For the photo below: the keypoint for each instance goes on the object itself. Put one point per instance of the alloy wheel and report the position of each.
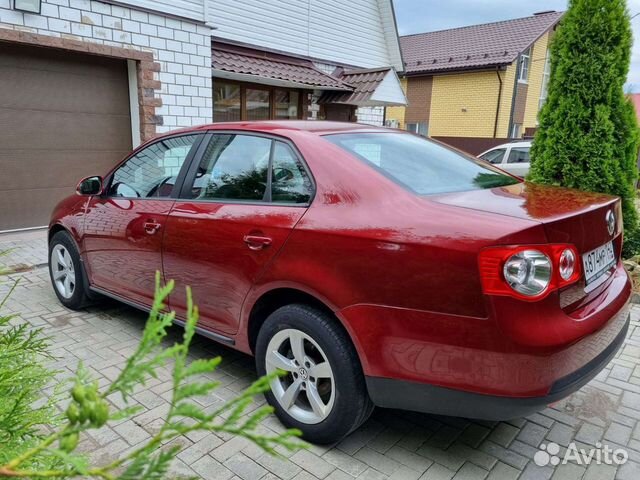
(63, 271)
(307, 391)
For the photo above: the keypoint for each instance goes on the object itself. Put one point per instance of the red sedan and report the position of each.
(375, 267)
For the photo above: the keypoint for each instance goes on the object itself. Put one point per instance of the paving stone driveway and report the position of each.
(392, 444)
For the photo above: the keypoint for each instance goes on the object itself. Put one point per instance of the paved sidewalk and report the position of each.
(392, 444)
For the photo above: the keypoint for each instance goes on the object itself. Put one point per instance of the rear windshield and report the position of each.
(421, 165)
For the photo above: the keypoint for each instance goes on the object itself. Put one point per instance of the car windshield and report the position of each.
(420, 165)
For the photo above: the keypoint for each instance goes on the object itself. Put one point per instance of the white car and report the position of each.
(511, 157)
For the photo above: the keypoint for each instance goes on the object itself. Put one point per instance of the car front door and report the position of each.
(123, 228)
(236, 210)
(495, 157)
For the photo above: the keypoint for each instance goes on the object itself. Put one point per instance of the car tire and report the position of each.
(66, 270)
(340, 399)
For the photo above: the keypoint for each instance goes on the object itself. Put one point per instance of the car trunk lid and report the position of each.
(567, 215)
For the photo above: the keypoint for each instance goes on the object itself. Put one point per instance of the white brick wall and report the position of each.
(181, 47)
(371, 115)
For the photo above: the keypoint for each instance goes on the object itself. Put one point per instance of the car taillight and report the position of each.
(528, 272)
(567, 264)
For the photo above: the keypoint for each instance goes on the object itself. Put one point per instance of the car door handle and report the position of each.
(151, 227)
(257, 242)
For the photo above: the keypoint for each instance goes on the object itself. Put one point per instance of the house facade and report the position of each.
(308, 59)
(84, 81)
(477, 82)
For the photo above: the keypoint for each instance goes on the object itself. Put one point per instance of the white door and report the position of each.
(517, 161)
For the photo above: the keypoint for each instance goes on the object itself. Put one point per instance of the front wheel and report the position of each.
(66, 272)
(323, 393)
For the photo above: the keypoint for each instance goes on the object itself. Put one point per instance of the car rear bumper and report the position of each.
(518, 351)
(421, 397)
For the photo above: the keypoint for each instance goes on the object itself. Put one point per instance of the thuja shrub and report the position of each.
(24, 413)
(54, 455)
(588, 135)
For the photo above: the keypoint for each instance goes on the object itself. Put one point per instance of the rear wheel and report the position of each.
(67, 272)
(323, 392)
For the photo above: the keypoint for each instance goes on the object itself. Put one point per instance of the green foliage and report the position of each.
(588, 136)
(90, 409)
(23, 375)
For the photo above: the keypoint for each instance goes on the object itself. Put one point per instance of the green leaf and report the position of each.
(201, 366)
(195, 389)
(190, 410)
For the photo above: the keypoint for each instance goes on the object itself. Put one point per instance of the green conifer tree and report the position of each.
(588, 136)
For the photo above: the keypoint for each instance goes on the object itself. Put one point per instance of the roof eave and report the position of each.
(275, 82)
(483, 68)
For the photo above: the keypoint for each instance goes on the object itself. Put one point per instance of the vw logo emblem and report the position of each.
(610, 218)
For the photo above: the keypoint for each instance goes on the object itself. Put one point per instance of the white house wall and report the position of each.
(191, 9)
(391, 33)
(354, 32)
(371, 116)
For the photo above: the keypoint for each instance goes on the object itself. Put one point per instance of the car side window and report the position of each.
(494, 156)
(519, 155)
(290, 182)
(233, 167)
(152, 172)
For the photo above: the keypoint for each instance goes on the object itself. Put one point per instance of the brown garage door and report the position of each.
(63, 116)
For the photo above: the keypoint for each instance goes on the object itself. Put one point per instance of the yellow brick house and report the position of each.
(479, 82)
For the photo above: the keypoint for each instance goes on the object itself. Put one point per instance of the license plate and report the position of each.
(597, 262)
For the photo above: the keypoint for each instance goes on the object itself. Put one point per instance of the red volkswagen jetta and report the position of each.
(374, 266)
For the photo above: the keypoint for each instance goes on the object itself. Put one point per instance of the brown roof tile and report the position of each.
(477, 46)
(277, 67)
(365, 83)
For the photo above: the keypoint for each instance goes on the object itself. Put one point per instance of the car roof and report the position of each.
(524, 143)
(319, 127)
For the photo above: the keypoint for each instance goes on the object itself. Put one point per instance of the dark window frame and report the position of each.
(189, 178)
(184, 168)
(258, 86)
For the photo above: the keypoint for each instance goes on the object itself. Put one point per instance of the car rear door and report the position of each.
(123, 228)
(236, 210)
(518, 161)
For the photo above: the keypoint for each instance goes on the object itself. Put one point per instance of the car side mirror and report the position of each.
(90, 186)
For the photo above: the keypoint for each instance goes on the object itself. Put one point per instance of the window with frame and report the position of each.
(519, 155)
(258, 103)
(236, 167)
(227, 105)
(516, 129)
(494, 156)
(234, 101)
(525, 63)
(290, 182)
(420, 165)
(287, 104)
(152, 172)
